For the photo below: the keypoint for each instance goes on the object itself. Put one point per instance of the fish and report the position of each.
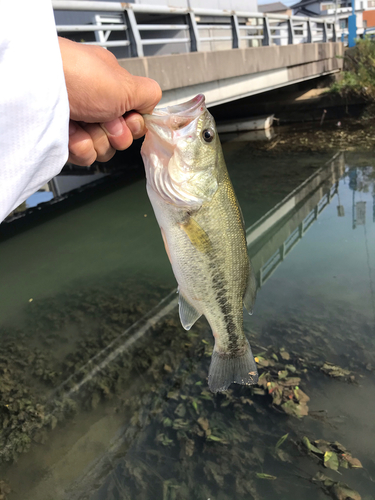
(203, 231)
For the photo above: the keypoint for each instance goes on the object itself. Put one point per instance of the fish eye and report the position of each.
(208, 135)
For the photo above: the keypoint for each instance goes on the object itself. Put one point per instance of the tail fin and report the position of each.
(225, 370)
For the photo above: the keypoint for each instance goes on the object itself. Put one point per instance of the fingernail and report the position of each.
(135, 126)
(114, 128)
(72, 128)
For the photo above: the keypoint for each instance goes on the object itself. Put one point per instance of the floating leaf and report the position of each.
(335, 371)
(261, 475)
(167, 422)
(262, 361)
(310, 446)
(300, 395)
(180, 410)
(283, 456)
(354, 463)
(327, 481)
(341, 491)
(344, 464)
(204, 423)
(291, 381)
(331, 460)
(291, 368)
(285, 355)
(323, 445)
(172, 395)
(214, 438)
(259, 391)
(283, 374)
(281, 440)
(297, 410)
(339, 446)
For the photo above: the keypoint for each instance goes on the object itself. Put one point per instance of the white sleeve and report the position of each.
(34, 108)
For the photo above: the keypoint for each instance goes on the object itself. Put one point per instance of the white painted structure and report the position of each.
(326, 9)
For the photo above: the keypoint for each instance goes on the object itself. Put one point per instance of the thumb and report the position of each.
(145, 96)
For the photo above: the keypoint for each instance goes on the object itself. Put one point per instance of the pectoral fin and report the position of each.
(251, 291)
(188, 314)
(197, 235)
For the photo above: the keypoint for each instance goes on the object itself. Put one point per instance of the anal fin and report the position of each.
(188, 314)
(226, 370)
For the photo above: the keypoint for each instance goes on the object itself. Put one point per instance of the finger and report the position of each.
(102, 146)
(118, 133)
(136, 124)
(81, 146)
(145, 95)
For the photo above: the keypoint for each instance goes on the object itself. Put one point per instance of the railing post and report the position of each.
(325, 35)
(194, 33)
(290, 31)
(235, 32)
(266, 31)
(334, 34)
(136, 47)
(309, 31)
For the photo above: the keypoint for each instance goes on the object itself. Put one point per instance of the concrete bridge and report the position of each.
(224, 54)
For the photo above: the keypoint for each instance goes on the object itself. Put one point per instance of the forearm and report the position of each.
(33, 102)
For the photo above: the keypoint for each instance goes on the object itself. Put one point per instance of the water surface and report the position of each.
(104, 395)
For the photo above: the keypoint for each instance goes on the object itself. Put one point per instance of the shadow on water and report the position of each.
(107, 394)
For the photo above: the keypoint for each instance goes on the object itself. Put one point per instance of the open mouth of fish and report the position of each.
(174, 122)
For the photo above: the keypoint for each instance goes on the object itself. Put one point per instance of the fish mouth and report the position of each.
(185, 109)
(176, 117)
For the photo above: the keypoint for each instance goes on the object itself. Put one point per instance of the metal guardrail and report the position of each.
(193, 30)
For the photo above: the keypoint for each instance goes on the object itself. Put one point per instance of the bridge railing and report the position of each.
(136, 30)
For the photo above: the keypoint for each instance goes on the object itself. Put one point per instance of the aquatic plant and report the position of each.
(358, 77)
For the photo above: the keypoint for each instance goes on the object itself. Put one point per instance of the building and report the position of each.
(326, 9)
(276, 8)
(369, 15)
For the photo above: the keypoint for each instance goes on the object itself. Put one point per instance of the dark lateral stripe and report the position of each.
(221, 288)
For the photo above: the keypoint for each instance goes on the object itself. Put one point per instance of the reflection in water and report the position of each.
(113, 354)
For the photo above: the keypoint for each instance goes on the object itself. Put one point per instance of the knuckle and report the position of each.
(157, 91)
(102, 146)
(84, 152)
(104, 157)
(123, 144)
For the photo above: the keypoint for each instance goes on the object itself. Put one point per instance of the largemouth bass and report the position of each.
(203, 232)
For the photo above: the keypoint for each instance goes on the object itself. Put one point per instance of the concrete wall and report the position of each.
(180, 70)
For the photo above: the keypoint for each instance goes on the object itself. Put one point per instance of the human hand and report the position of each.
(105, 100)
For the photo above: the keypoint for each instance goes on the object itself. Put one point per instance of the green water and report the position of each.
(103, 394)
